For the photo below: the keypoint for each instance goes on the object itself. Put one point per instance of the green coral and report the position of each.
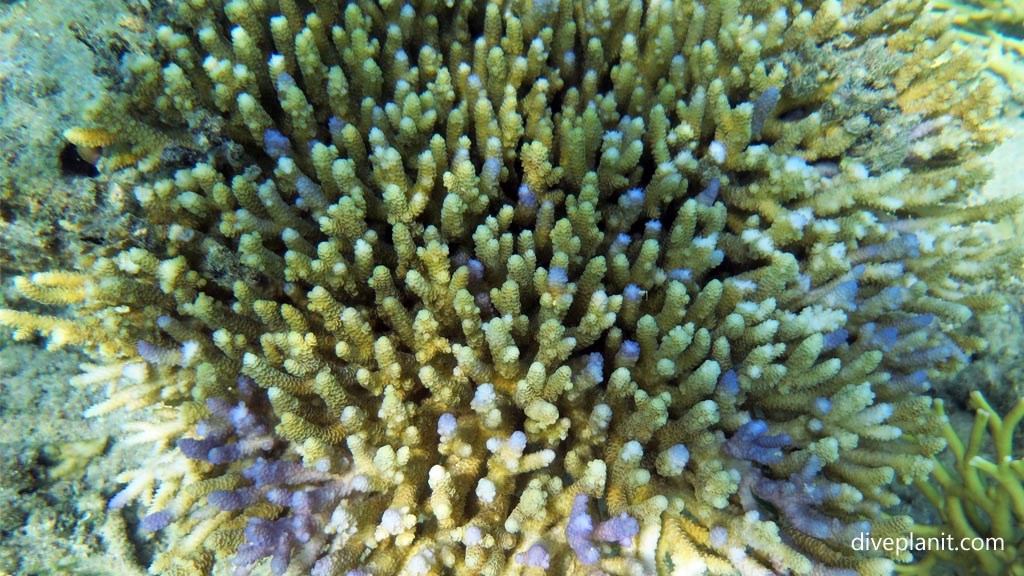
(980, 499)
(582, 235)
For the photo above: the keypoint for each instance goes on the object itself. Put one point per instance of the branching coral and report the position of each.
(980, 500)
(999, 26)
(982, 16)
(580, 287)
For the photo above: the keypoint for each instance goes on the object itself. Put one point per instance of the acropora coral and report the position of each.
(984, 16)
(602, 287)
(998, 27)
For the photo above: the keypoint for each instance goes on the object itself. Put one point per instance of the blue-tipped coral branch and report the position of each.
(514, 287)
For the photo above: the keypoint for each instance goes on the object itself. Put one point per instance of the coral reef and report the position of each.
(53, 518)
(586, 287)
(979, 498)
(984, 16)
(48, 55)
(999, 27)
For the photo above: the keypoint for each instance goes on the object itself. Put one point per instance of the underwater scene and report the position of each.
(511, 287)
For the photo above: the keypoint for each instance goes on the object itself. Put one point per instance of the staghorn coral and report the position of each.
(983, 16)
(998, 26)
(579, 287)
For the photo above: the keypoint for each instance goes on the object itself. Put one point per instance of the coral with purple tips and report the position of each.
(593, 287)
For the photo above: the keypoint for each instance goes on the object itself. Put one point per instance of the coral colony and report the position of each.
(535, 287)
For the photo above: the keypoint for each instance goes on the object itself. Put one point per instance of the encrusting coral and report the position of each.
(584, 287)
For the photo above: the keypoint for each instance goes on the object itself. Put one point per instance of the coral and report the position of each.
(998, 26)
(75, 456)
(48, 217)
(590, 287)
(980, 499)
(982, 16)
